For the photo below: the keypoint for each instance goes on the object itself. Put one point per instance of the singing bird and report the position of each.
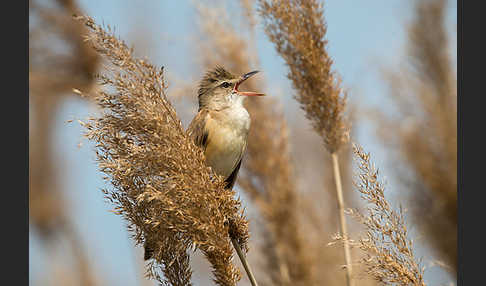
(221, 125)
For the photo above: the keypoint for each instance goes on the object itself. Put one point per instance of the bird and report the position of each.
(222, 123)
(221, 126)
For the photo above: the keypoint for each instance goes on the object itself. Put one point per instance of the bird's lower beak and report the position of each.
(242, 79)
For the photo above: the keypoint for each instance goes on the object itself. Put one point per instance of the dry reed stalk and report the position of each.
(342, 220)
(244, 261)
(47, 88)
(52, 74)
(86, 276)
(298, 30)
(82, 273)
(318, 208)
(425, 92)
(160, 182)
(51, 77)
(46, 212)
(389, 251)
(266, 174)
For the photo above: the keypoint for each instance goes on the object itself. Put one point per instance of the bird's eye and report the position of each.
(225, 84)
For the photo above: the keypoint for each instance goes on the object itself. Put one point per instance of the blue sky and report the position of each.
(360, 34)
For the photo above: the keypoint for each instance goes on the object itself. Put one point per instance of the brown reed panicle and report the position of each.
(298, 30)
(389, 252)
(160, 183)
(425, 92)
(266, 173)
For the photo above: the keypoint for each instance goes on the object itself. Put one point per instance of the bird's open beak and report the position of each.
(242, 79)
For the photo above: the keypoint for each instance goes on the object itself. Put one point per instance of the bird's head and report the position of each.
(220, 89)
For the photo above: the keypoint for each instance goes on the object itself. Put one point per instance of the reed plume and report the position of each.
(424, 90)
(159, 180)
(298, 30)
(389, 252)
(266, 174)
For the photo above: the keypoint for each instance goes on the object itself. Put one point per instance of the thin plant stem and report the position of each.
(243, 260)
(342, 219)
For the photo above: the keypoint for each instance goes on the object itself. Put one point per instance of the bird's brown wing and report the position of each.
(230, 181)
(197, 130)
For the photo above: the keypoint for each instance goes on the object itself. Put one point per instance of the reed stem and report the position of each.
(243, 260)
(342, 219)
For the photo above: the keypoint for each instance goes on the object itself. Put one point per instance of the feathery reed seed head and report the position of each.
(298, 30)
(389, 255)
(160, 182)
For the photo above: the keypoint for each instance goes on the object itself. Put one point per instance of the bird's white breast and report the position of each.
(227, 140)
(239, 119)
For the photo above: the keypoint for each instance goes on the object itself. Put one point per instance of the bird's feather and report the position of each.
(230, 181)
(197, 129)
(222, 155)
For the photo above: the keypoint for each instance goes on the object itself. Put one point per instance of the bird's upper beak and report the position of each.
(241, 80)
